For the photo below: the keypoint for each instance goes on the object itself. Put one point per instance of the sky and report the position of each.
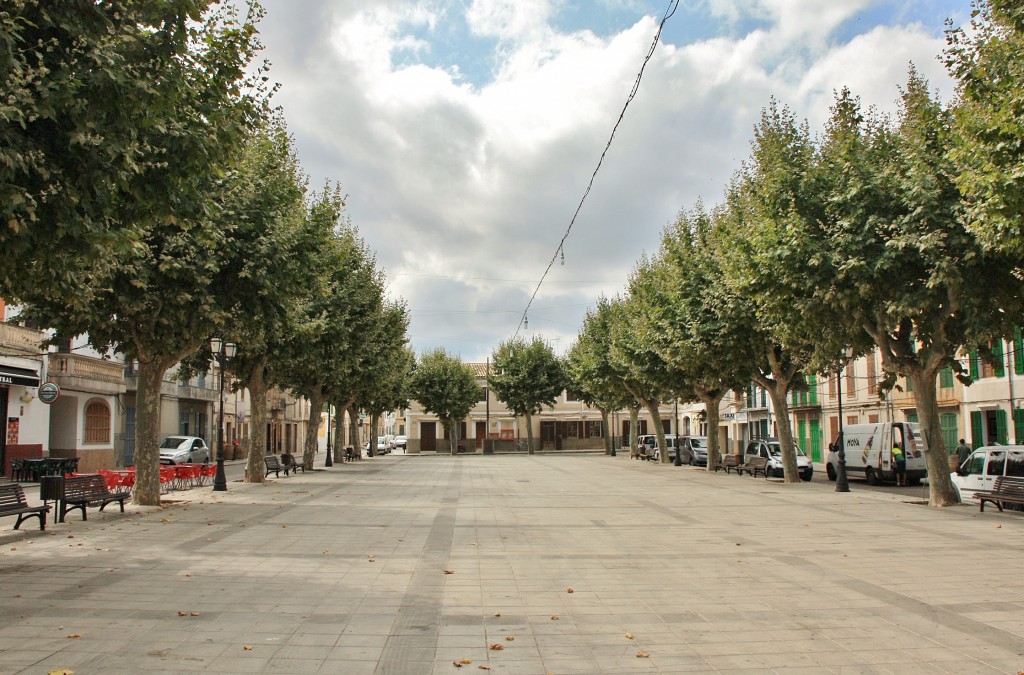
(465, 132)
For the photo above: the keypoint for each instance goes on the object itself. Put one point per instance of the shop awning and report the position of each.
(23, 376)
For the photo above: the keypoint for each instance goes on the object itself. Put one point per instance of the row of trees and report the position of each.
(152, 198)
(901, 234)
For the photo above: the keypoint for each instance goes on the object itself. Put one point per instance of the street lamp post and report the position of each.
(842, 481)
(328, 461)
(222, 352)
(679, 460)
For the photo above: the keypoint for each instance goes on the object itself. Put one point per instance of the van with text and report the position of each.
(869, 452)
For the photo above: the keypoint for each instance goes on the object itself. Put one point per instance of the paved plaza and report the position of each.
(517, 564)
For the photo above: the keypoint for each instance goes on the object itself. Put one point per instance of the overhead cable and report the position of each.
(673, 5)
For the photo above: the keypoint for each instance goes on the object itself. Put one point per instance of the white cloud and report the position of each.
(479, 181)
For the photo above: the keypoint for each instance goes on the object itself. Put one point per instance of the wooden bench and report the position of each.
(351, 454)
(12, 503)
(1006, 490)
(289, 464)
(754, 466)
(81, 492)
(728, 462)
(273, 465)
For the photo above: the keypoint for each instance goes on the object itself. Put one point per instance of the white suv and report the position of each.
(771, 449)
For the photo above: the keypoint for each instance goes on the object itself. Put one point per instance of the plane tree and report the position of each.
(642, 371)
(111, 117)
(765, 256)
(444, 386)
(383, 380)
(526, 376)
(592, 378)
(988, 121)
(159, 303)
(699, 324)
(875, 242)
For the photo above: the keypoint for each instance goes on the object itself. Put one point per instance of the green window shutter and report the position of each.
(812, 389)
(1018, 352)
(802, 435)
(816, 440)
(946, 378)
(796, 399)
(974, 364)
(764, 398)
(977, 431)
(912, 417)
(947, 423)
(997, 358)
(1001, 426)
(1018, 425)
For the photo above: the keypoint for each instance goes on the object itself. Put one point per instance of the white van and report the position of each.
(869, 452)
(979, 471)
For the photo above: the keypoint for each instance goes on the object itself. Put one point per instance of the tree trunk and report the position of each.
(339, 427)
(940, 487)
(316, 405)
(147, 432)
(659, 428)
(257, 386)
(374, 420)
(607, 436)
(712, 404)
(353, 425)
(529, 433)
(634, 431)
(778, 395)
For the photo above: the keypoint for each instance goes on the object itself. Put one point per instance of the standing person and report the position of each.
(963, 451)
(899, 462)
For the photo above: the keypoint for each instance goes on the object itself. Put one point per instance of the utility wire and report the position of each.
(673, 5)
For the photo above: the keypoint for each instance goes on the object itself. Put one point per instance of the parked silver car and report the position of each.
(693, 450)
(184, 450)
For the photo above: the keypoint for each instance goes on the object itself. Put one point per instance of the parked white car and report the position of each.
(184, 450)
(979, 471)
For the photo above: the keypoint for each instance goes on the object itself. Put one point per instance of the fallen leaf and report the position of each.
(554, 617)
(17, 595)
(497, 614)
(484, 666)
(247, 648)
(569, 590)
(188, 574)
(62, 671)
(999, 527)
(182, 614)
(497, 647)
(449, 571)
(462, 662)
(75, 635)
(195, 613)
(284, 526)
(510, 638)
(629, 636)
(642, 655)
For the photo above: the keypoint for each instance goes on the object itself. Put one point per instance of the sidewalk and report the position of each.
(405, 564)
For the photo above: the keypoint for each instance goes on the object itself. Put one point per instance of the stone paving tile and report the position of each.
(342, 571)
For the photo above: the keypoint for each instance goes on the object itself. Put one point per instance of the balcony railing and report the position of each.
(86, 373)
(14, 338)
